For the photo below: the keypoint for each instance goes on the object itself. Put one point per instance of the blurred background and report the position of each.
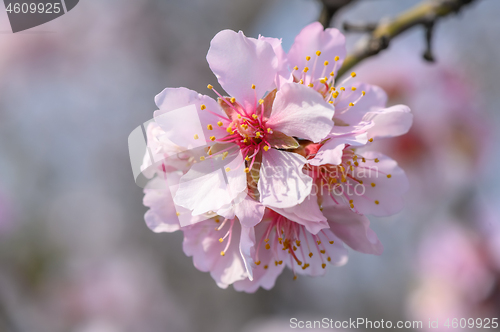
(75, 253)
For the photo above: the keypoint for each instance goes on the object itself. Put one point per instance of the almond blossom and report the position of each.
(269, 176)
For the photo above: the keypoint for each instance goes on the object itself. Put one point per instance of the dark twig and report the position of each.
(330, 7)
(425, 14)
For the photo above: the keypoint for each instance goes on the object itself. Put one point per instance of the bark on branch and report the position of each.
(424, 14)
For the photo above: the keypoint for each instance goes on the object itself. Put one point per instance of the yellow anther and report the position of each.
(261, 101)
(310, 85)
(239, 116)
(244, 126)
(210, 86)
(266, 240)
(247, 158)
(217, 220)
(276, 263)
(318, 53)
(253, 86)
(268, 246)
(353, 74)
(202, 158)
(377, 202)
(257, 263)
(196, 136)
(221, 240)
(245, 140)
(306, 69)
(178, 214)
(351, 201)
(370, 140)
(229, 130)
(352, 206)
(332, 74)
(332, 180)
(220, 123)
(212, 138)
(337, 58)
(336, 94)
(266, 147)
(363, 160)
(351, 104)
(247, 170)
(389, 176)
(322, 81)
(301, 81)
(269, 130)
(319, 242)
(331, 242)
(326, 63)
(280, 262)
(353, 88)
(360, 182)
(363, 93)
(222, 253)
(265, 267)
(255, 116)
(209, 127)
(299, 262)
(356, 163)
(257, 134)
(322, 251)
(331, 102)
(224, 155)
(343, 179)
(308, 58)
(294, 277)
(332, 89)
(227, 169)
(202, 107)
(373, 184)
(376, 160)
(295, 68)
(342, 88)
(310, 254)
(329, 259)
(233, 100)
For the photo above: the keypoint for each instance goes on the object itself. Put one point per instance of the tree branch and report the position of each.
(425, 14)
(330, 7)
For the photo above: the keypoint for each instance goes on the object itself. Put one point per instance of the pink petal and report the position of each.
(297, 109)
(306, 213)
(181, 117)
(390, 122)
(280, 54)
(247, 249)
(262, 277)
(204, 187)
(249, 212)
(238, 62)
(375, 99)
(201, 241)
(161, 217)
(282, 183)
(331, 152)
(382, 195)
(353, 229)
(313, 38)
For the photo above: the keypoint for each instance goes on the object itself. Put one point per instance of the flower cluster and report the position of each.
(272, 175)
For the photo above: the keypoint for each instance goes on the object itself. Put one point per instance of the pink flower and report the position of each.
(244, 128)
(241, 170)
